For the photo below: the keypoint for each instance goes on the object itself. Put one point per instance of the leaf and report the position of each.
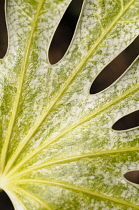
(58, 148)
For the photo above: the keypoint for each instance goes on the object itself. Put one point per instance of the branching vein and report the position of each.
(29, 17)
(79, 189)
(73, 158)
(34, 197)
(19, 89)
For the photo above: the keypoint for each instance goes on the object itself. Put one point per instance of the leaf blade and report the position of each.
(74, 137)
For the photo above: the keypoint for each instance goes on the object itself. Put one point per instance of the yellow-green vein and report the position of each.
(78, 189)
(130, 21)
(62, 90)
(34, 197)
(19, 89)
(70, 159)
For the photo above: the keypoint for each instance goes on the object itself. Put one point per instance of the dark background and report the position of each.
(59, 45)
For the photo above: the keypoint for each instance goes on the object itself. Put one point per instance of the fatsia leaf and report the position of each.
(58, 149)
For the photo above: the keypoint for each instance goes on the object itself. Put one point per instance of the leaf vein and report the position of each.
(19, 89)
(29, 17)
(34, 197)
(79, 189)
(69, 80)
(73, 158)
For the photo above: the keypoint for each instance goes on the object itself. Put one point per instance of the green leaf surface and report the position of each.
(58, 149)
